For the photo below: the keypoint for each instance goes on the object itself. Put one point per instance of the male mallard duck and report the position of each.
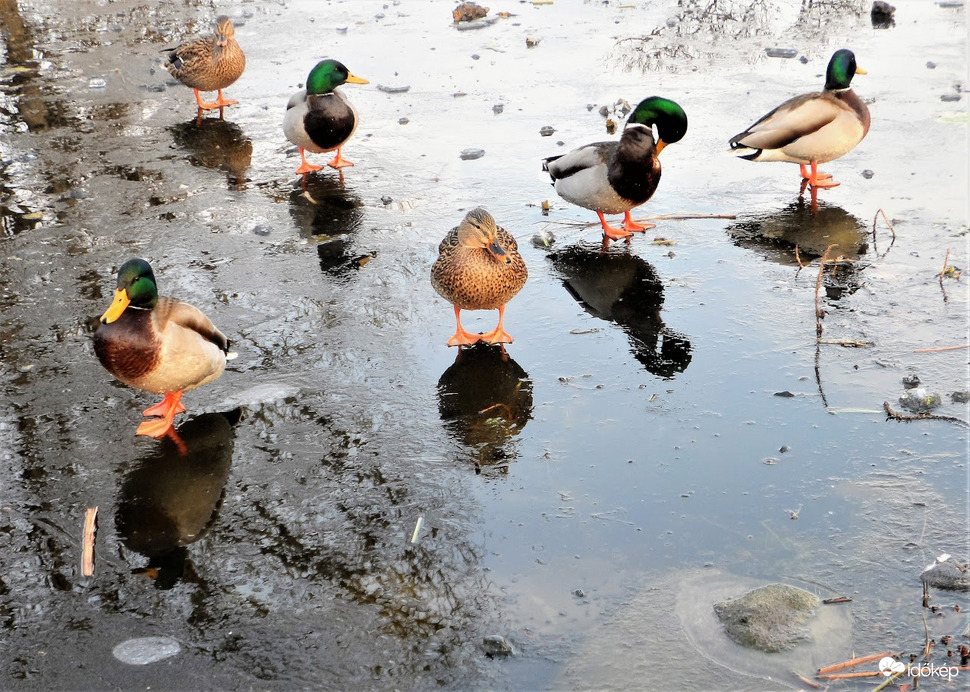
(319, 118)
(157, 344)
(478, 268)
(209, 64)
(615, 177)
(812, 128)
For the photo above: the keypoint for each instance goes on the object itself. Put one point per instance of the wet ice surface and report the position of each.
(638, 441)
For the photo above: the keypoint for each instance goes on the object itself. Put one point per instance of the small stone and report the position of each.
(386, 199)
(785, 394)
(911, 381)
(531, 42)
(498, 108)
(476, 56)
(262, 229)
(579, 593)
(97, 83)
(950, 98)
(547, 130)
(930, 65)
(781, 52)
(604, 111)
(867, 174)
(784, 449)
(671, 22)
(393, 89)
(496, 645)
(960, 397)
(471, 154)
(145, 650)
(403, 121)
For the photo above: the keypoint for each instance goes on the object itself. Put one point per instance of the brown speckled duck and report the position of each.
(209, 64)
(157, 344)
(478, 268)
(812, 128)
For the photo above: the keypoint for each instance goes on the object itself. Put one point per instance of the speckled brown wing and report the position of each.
(472, 279)
(203, 65)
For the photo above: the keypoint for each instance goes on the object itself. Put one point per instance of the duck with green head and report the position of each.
(210, 63)
(157, 344)
(812, 128)
(319, 118)
(478, 268)
(615, 177)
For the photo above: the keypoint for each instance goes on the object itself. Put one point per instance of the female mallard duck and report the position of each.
(478, 268)
(319, 118)
(209, 64)
(812, 128)
(615, 177)
(157, 344)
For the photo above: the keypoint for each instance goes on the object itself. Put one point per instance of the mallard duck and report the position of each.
(209, 64)
(478, 268)
(319, 118)
(157, 344)
(615, 177)
(812, 128)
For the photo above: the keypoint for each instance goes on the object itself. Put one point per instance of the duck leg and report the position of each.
(306, 166)
(630, 225)
(610, 232)
(498, 335)
(220, 102)
(461, 337)
(339, 161)
(162, 407)
(816, 178)
(158, 427)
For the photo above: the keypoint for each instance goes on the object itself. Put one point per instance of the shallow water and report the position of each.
(619, 442)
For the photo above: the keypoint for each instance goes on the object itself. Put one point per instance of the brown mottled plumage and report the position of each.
(157, 344)
(210, 63)
(478, 268)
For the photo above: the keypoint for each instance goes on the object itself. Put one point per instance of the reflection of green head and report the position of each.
(328, 74)
(137, 279)
(841, 69)
(670, 118)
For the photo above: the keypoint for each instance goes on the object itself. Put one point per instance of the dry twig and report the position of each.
(818, 288)
(888, 223)
(852, 662)
(890, 414)
(87, 545)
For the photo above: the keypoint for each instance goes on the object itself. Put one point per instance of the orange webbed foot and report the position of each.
(497, 336)
(463, 338)
(611, 232)
(157, 427)
(630, 225)
(339, 162)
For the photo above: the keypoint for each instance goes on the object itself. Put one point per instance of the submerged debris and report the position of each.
(919, 400)
(468, 11)
(497, 645)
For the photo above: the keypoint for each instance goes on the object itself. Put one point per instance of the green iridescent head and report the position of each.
(841, 69)
(670, 119)
(327, 75)
(136, 287)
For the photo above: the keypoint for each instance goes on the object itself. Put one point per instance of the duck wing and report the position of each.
(578, 160)
(796, 118)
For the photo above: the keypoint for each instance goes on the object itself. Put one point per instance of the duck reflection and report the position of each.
(485, 400)
(329, 212)
(777, 234)
(619, 287)
(172, 497)
(216, 144)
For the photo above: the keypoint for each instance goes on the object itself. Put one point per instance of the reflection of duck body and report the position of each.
(623, 288)
(478, 268)
(211, 63)
(157, 344)
(216, 144)
(812, 128)
(485, 397)
(615, 177)
(319, 118)
(171, 498)
(331, 221)
(800, 226)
